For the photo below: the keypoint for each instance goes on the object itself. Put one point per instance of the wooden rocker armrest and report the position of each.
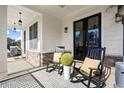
(91, 68)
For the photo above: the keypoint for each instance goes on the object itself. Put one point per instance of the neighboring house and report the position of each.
(75, 29)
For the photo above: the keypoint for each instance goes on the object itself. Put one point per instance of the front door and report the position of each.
(87, 33)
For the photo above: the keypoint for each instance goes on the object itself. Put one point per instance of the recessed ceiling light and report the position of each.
(62, 6)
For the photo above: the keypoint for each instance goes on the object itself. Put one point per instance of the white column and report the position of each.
(40, 35)
(3, 41)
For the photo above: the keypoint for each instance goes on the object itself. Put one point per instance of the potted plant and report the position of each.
(67, 61)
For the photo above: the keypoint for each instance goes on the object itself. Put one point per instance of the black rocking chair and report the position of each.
(54, 63)
(96, 73)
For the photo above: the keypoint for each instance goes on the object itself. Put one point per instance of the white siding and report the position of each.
(51, 33)
(112, 33)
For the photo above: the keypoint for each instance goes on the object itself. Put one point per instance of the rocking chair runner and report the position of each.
(93, 68)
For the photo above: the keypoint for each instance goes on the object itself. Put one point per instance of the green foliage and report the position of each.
(67, 59)
(18, 43)
(11, 42)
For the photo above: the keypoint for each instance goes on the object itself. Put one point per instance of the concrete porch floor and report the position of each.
(111, 80)
(46, 79)
(17, 64)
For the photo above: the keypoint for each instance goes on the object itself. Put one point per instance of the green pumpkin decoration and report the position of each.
(67, 59)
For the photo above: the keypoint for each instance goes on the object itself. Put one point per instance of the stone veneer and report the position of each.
(46, 57)
(33, 58)
(109, 60)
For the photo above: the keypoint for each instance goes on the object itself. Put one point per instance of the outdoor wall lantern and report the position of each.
(120, 13)
(66, 30)
(118, 18)
(62, 6)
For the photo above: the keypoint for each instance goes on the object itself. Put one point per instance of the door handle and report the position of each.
(86, 43)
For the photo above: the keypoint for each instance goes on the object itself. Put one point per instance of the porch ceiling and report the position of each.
(13, 16)
(60, 12)
(55, 10)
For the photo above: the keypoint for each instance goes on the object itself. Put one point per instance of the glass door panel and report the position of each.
(78, 40)
(93, 36)
(87, 33)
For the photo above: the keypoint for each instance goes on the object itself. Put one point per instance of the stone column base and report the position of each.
(3, 75)
(33, 58)
(111, 60)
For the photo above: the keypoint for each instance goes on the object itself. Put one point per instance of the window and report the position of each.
(33, 36)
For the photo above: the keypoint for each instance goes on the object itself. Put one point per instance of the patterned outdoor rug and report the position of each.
(25, 81)
(40, 79)
(54, 80)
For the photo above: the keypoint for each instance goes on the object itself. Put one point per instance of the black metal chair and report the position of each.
(96, 75)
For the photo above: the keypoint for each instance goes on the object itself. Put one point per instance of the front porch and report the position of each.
(60, 28)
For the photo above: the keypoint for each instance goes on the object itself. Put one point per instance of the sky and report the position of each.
(16, 35)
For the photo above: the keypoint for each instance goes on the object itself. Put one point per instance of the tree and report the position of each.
(10, 42)
(18, 43)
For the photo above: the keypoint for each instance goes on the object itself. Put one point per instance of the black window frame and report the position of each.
(33, 34)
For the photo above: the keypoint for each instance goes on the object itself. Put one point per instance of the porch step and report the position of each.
(15, 75)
